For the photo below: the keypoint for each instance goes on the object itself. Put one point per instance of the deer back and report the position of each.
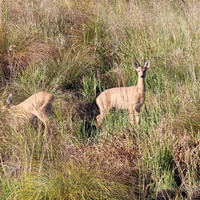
(119, 97)
(39, 102)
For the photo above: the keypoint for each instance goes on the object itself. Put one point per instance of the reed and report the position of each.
(77, 49)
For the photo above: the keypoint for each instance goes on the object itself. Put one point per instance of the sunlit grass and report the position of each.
(75, 50)
(71, 181)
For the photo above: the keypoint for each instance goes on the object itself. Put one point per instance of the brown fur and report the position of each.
(39, 105)
(130, 98)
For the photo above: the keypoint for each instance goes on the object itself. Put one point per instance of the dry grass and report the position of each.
(75, 50)
(17, 60)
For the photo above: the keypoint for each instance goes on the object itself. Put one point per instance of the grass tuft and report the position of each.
(77, 49)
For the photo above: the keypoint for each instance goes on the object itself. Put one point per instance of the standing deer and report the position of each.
(39, 105)
(129, 98)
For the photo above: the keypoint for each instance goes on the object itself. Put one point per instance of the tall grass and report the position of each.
(75, 50)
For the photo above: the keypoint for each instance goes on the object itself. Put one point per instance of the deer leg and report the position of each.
(103, 111)
(43, 118)
(136, 114)
(100, 117)
(42, 115)
(131, 114)
(99, 121)
(45, 114)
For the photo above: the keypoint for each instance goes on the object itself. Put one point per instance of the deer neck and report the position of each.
(141, 86)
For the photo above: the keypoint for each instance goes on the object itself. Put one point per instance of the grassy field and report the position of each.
(75, 50)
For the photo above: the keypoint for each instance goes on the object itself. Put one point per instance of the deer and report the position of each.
(38, 105)
(126, 98)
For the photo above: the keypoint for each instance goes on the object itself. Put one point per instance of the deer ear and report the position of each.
(9, 100)
(147, 64)
(136, 64)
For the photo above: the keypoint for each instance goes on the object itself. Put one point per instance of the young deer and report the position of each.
(39, 105)
(129, 98)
